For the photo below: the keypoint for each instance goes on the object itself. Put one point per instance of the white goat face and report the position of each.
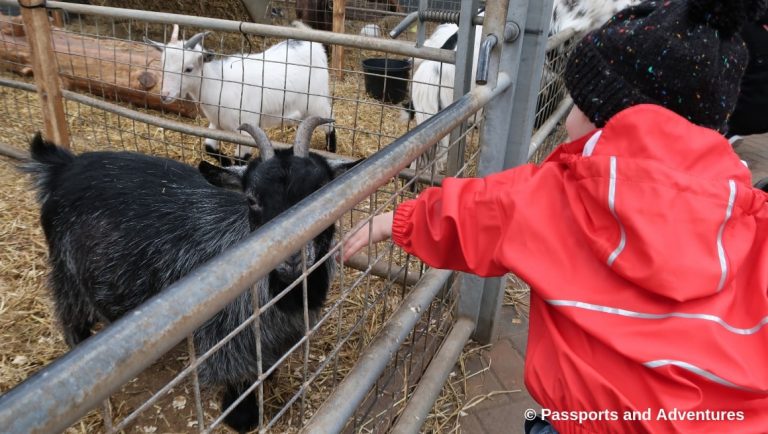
(182, 64)
(182, 70)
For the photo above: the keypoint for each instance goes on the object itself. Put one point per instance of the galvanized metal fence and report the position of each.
(392, 328)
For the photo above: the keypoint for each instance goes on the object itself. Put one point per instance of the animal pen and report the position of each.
(392, 329)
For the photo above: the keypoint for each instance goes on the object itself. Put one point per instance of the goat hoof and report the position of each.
(244, 417)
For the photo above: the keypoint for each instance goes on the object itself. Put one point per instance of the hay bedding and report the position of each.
(31, 340)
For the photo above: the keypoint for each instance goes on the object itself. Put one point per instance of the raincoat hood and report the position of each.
(666, 216)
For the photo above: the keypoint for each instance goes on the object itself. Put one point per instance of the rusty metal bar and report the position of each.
(62, 392)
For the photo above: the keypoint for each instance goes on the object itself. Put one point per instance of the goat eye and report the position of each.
(188, 69)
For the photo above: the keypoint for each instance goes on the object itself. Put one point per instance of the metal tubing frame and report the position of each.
(332, 416)
(412, 17)
(549, 125)
(534, 46)
(65, 390)
(192, 130)
(328, 38)
(507, 130)
(474, 287)
(431, 383)
(462, 80)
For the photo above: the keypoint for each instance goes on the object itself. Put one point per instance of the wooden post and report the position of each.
(337, 60)
(47, 79)
(58, 18)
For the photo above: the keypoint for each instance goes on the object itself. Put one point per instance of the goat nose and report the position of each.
(295, 261)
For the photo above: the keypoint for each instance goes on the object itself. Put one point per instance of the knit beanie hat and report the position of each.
(685, 55)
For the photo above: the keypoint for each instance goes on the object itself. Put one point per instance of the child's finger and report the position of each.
(355, 242)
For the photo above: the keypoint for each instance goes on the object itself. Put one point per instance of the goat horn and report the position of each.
(304, 134)
(175, 33)
(194, 40)
(157, 45)
(262, 141)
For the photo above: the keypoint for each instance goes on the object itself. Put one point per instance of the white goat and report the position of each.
(287, 82)
(432, 86)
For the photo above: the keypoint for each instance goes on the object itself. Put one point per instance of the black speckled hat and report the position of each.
(685, 55)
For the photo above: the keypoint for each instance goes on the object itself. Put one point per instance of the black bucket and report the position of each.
(387, 79)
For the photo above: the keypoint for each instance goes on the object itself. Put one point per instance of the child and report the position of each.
(645, 246)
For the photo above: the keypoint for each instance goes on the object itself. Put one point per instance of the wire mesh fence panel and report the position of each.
(116, 102)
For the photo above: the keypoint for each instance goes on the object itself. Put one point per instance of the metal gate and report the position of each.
(392, 330)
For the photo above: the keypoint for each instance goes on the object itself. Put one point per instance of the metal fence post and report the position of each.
(474, 289)
(520, 113)
(39, 37)
(462, 79)
(421, 32)
(507, 129)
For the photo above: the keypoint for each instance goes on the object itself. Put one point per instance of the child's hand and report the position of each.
(381, 230)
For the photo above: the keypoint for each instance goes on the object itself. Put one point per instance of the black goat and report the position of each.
(123, 226)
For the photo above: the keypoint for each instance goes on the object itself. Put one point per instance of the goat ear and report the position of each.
(340, 167)
(207, 56)
(230, 177)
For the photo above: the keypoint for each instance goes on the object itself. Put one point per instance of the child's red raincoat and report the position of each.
(646, 249)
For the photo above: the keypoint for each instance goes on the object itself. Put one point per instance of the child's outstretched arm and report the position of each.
(462, 225)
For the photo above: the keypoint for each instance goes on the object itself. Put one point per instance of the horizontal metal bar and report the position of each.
(153, 119)
(549, 125)
(431, 383)
(284, 32)
(12, 152)
(332, 416)
(65, 390)
(404, 24)
(380, 12)
(383, 269)
(414, 16)
(560, 38)
(193, 130)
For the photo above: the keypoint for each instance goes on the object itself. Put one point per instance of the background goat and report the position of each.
(122, 226)
(237, 89)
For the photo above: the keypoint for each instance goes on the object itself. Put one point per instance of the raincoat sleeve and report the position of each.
(464, 225)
